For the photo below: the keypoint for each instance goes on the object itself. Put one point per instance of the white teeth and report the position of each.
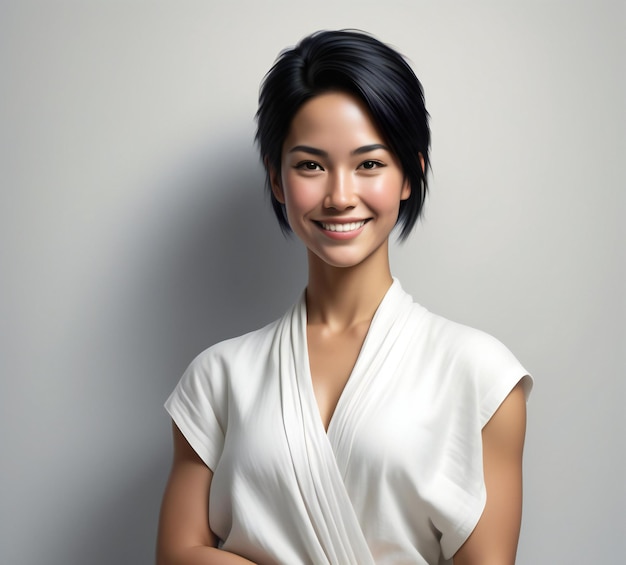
(343, 227)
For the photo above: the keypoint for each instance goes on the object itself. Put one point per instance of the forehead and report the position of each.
(333, 118)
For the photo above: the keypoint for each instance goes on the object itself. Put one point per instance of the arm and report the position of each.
(184, 536)
(494, 540)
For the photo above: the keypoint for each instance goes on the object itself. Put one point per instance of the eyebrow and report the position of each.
(368, 148)
(322, 153)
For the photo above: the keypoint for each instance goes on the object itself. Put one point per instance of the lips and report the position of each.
(342, 227)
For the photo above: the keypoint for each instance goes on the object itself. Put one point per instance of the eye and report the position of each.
(371, 165)
(309, 166)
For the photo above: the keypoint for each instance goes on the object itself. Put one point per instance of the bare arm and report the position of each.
(184, 535)
(494, 540)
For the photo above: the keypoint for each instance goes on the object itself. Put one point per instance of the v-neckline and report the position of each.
(309, 379)
(352, 379)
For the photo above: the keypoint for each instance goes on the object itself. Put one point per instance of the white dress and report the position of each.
(398, 477)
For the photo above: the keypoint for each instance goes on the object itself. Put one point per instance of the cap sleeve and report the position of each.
(197, 407)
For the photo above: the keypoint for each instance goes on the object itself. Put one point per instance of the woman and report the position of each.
(359, 428)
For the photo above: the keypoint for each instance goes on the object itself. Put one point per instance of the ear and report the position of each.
(406, 186)
(406, 189)
(275, 182)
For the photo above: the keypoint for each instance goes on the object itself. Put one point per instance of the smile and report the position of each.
(347, 227)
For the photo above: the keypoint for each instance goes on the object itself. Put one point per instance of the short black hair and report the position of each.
(357, 63)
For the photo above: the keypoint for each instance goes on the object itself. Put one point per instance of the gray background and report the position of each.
(134, 232)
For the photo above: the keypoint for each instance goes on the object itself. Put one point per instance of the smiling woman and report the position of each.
(359, 428)
(340, 184)
(377, 76)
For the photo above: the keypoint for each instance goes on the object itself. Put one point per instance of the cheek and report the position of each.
(384, 194)
(301, 194)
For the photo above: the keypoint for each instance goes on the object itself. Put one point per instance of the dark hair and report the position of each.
(354, 62)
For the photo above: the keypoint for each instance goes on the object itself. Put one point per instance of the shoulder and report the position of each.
(212, 371)
(459, 341)
(475, 362)
(231, 349)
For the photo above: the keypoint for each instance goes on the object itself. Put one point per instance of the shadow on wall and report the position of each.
(205, 262)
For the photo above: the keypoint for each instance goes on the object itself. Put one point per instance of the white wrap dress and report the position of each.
(398, 476)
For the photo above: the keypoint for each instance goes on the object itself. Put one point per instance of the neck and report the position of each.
(341, 297)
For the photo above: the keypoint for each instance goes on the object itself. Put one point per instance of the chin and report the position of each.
(343, 259)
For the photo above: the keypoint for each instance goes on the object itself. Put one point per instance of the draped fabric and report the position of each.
(396, 479)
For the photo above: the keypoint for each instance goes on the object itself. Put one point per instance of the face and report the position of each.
(340, 183)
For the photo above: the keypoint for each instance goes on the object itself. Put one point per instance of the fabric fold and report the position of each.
(318, 477)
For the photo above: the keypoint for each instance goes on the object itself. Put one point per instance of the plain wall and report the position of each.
(134, 232)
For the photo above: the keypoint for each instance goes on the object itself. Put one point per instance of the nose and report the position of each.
(341, 191)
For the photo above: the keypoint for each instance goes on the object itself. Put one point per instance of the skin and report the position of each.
(336, 169)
